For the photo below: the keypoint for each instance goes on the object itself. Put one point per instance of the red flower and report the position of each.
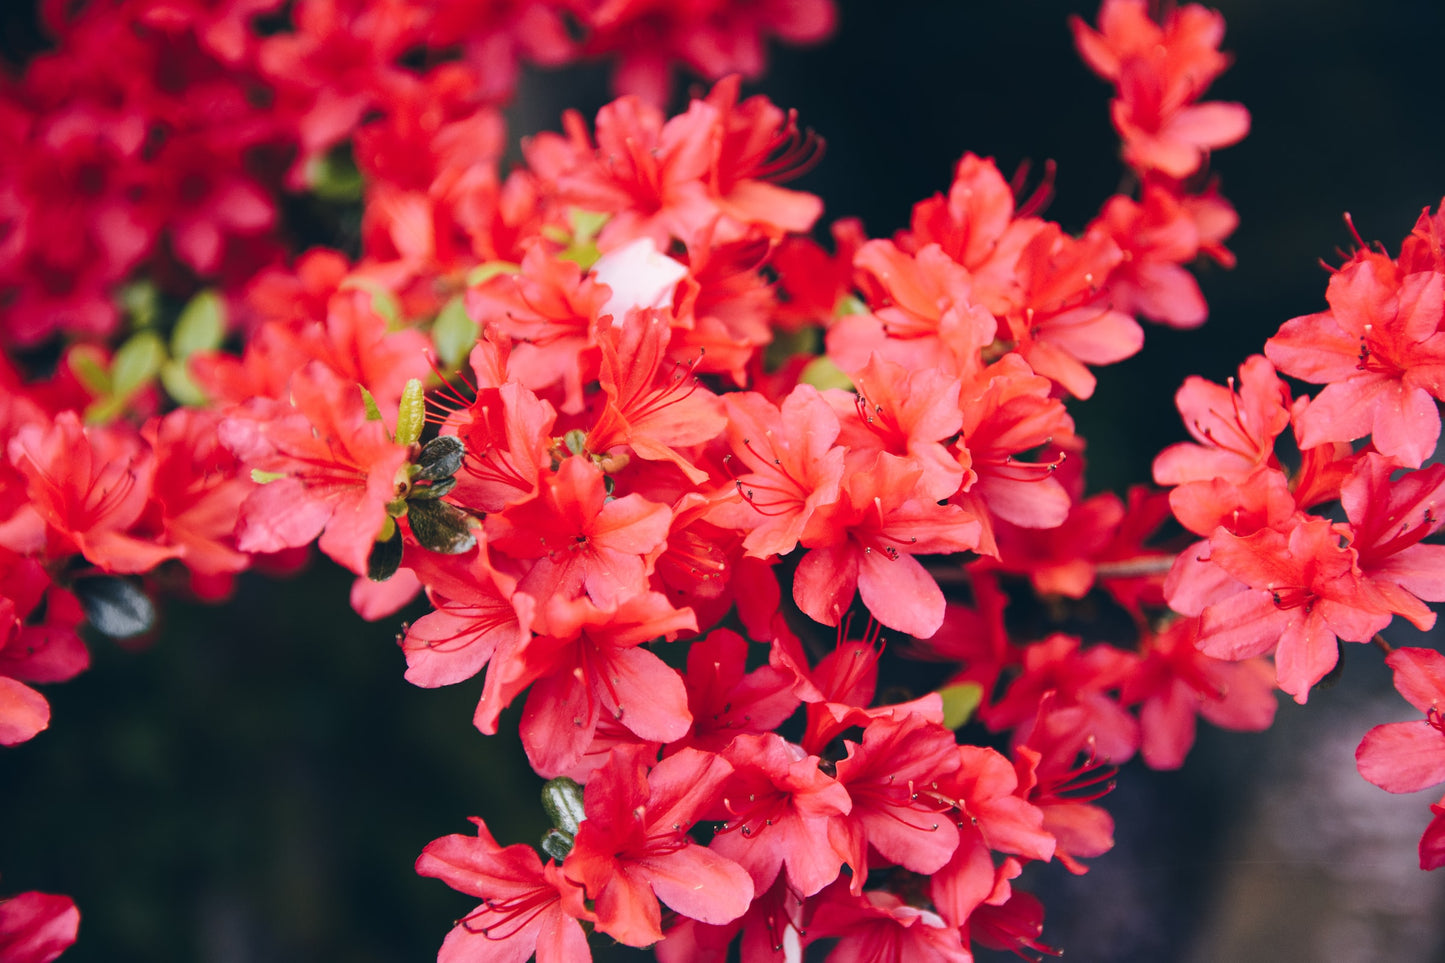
(1378, 352)
(527, 907)
(633, 848)
(36, 927)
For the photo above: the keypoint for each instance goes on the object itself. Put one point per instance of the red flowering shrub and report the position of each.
(635, 435)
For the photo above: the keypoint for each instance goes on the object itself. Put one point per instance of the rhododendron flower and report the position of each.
(633, 849)
(1410, 756)
(36, 927)
(1379, 355)
(527, 907)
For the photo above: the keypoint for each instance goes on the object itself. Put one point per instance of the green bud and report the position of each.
(115, 606)
(576, 441)
(556, 844)
(385, 556)
(562, 799)
(411, 413)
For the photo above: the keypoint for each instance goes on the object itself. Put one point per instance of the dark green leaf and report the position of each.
(440, 527)
(116, 606)
(385, 558)
(440, 458)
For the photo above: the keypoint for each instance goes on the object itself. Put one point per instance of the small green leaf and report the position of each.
(959, 702)
(383, 302)
(822, 373)
(176, 378)
(141, 302)
(373, 413)
(136, 363)
(562, 799)
(441, 527)
(265, 477)
(454, 333)
(201, 326)
(334, 177)
(89, 365)
(411, 413)
(116, 606)
(586, 225)
(440, 458)
(483, 273)
(848, 304)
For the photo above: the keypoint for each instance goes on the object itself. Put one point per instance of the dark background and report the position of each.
(255, 784)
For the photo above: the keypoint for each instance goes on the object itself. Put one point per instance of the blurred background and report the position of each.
(254, 782)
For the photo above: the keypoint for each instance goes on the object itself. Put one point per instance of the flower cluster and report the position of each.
(1277, 570)
(646, 446)
(161, 134)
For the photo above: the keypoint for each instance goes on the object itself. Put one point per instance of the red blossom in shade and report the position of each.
(778, 807)
(652, 408)
(1157, 237)
(878, 927)
(1062, 693)
(478, 617)
(507, 431)
(573, 538)
(1007, 412)
(993, 816)
(1406, 757)
(36, 927)
(867, 543)
(1061, 318)
(726, 702)
(1378, 353)
(90, 486)
(1174, 683)
(795, 469)
(1296, 593)
(337, 469)
(38, 643)
(887, 776)
(633, 848)
(1159, 71)
(905, 413)
(1234, 426)
(590, 662)
(527, 907)
(1388, 520)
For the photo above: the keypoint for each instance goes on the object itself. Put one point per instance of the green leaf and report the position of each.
(959, 702)
(115, 606)
(265, 477)
(88, 363)
(137, 363)
(201, 326)
(562, 799)
(848, 304)
(822, 373)
(454, 333)
(440, 458)
(334, 177)
(176, 378)
(373, 413)
(383, 302)
(441, 527)
(411, 413)
(141, 302)
(576, 441)
(483, 273)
